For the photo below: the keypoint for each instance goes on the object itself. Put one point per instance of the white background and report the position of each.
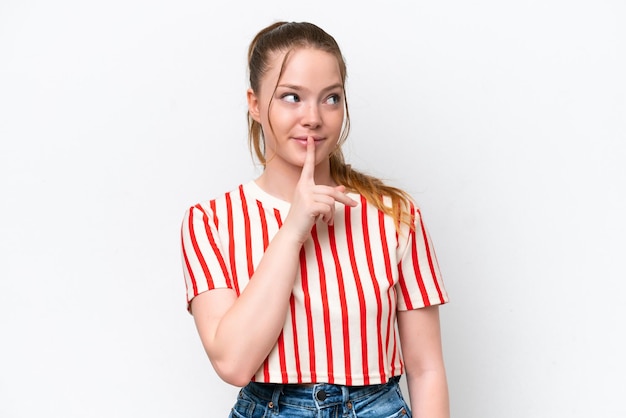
(505, 120)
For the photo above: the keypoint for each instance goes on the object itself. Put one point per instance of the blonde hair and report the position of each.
(287, 36)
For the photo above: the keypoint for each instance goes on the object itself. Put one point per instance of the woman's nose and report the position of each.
(311, 117)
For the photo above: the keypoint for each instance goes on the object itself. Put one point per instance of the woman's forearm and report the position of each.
(239, 340)
(429, 394)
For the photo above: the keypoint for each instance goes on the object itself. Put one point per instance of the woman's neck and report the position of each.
(281, 181)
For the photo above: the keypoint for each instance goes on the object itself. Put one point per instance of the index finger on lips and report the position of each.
(308, 169)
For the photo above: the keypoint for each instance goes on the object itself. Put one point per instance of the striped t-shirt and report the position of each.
(353, 276)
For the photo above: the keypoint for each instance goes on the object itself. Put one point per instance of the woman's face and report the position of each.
(307, 101)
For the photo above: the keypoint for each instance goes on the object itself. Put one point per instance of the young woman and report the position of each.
(305, 282)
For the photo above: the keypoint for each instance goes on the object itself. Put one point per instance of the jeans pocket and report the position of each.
(386, 403)
(246, 407)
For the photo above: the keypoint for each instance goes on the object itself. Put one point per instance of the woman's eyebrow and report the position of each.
(333, 87)
(301, 88)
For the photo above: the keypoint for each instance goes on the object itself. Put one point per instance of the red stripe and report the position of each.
(401, 279)
(309, 316)
(231, 242)
(281, 338)
(266, 365)
(416, 269)
(325, 309)
(403, 288)
(214, 211)
(266, 370)
(385, 246)
(389, 274)
(344, 305)
(196, 247)
(281, 356)
(429, 254)
(248, 235)
(188, 267)
(296, 349)
(379, 302)
(391, 343)
(263, 225)
(277, 215)
(395, 358)
(361, 297)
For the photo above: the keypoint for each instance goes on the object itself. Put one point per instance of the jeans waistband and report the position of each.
(316, 395)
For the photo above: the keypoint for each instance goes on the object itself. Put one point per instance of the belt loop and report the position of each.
(273, 405)
(347, 403)
(345, 392)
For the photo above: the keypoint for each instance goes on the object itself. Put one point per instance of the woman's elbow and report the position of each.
(233, 373)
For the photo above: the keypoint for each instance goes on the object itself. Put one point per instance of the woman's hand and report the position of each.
(312, 202)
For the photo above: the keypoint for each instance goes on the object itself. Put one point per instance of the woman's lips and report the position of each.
(303, 140)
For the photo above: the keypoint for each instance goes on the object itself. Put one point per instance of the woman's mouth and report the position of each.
(303, 139)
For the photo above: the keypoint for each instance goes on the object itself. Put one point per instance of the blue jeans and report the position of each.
(323, 400)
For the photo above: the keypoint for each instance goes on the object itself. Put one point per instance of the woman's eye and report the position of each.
(291, 98)
(333, 99)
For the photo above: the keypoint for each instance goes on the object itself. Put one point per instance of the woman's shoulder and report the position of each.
(396, 199)
(210, 204)
(234, 192)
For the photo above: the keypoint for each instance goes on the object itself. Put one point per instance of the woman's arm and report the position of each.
(420, 338)
(239, 332)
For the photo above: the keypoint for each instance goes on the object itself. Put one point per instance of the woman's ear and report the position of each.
(253, 105)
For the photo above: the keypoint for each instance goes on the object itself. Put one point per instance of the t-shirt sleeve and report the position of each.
(203, 260)
(420, 283)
